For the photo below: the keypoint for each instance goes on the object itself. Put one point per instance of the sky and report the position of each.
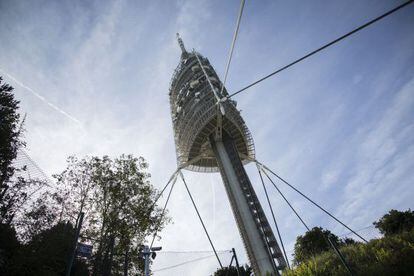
(93, 78)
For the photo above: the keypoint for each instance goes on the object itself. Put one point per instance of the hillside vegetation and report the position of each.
(390, 255)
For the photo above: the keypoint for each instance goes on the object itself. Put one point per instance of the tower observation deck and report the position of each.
(211, 136)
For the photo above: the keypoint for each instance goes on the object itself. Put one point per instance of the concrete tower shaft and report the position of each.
(195, 116)
(261, 246)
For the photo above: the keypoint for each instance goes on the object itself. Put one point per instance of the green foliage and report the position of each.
(46, 254)
(9, 132)
(14, 195)
(349, 241)
(312, 243)
(395, 222)
(118, 201)
(40, 215)
(232, 271)
(391, 255)
(12, 191)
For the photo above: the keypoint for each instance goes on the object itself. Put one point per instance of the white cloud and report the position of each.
(382, 157)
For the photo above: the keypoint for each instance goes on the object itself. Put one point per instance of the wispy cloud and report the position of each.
(43, 99)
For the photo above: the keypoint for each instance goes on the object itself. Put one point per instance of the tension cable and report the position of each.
(324, 47)
(201, 220)
(273, 216)
(310, 200)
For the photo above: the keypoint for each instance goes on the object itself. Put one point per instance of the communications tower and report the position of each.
(211, 136)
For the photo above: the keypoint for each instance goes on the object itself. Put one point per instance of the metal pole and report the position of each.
(229, 267)
(75, 242)
(146, 254)
(341, 257)
(237, 261)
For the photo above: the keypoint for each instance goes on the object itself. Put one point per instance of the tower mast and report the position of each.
(181, 43)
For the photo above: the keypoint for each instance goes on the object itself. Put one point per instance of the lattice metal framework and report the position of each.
(194, 114)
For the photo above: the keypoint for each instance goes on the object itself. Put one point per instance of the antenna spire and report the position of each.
(181, 43)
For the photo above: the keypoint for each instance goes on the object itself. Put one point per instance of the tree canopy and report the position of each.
(232, 271)
(119, 205)
(11, 190)
(118, 201)
(395, 222)
(9, 132)
(313, 242)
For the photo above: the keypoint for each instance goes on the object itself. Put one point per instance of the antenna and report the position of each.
(181, 43)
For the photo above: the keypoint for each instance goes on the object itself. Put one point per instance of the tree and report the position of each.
(118, 201)
(11, 190)
(126, 206)
(75, 189)
(395, 222)
(349, 241)
(16, 188)
(10, 133)
(232, 271)
(47, 253)
(39, 215)
(312, 243)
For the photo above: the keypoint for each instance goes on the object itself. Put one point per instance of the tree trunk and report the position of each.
(107, 261)
(126, 261)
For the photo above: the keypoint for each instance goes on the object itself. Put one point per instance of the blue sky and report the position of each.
(93, 77)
